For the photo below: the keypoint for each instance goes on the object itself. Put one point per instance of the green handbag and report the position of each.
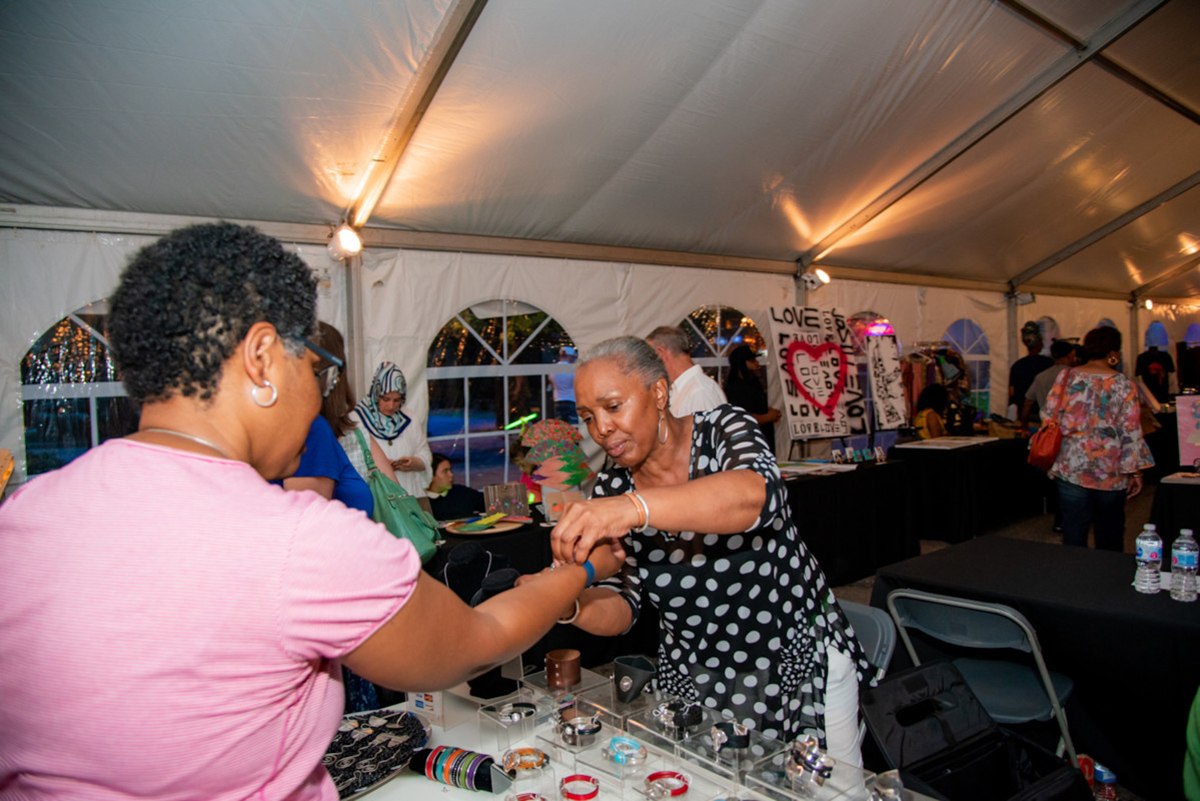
(399, 511)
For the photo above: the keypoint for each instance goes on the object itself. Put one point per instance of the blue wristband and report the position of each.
(591, 572)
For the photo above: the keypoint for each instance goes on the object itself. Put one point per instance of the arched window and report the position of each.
(488, 371)
(716, 330)
(967, 338)
(71, 396)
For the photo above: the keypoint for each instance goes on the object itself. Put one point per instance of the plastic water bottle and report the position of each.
(1184, 554)
(1149, 560)
(1104, 787)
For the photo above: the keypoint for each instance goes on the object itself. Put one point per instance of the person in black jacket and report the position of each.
(447, 500)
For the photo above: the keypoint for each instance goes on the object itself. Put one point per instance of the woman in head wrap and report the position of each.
(401, 437)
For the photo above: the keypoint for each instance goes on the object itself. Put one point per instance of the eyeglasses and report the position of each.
(327, 377)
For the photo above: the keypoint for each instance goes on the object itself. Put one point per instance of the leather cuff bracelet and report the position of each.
(632, 674)
(665, 784)
(728, 734)
(678, 715)
(625, 751)
(807, 763)
(579, 730)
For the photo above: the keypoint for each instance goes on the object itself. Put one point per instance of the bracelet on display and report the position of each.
(526, 797)
(807, 763)
(678, 714)
(666, 784)
(579, 787)
(523, 760)
(729, 734)
(632, 674)
(625, 751)
(578, 730)
(512, 713)
(458, 767)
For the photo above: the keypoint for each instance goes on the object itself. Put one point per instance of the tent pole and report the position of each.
(356, 352)
(1010, 357)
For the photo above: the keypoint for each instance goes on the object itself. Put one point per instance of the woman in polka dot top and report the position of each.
(696, 505)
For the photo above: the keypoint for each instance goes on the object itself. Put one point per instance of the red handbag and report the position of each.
(1045, 444)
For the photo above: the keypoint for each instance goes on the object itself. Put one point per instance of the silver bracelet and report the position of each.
(568, 620)
(637, 496)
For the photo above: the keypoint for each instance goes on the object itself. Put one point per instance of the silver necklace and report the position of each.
(192, 437)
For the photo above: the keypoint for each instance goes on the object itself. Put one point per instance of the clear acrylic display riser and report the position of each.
(731, 764)
(769, 778)
(645, 726)
(614, 713)
(588, 680)
(514, 720)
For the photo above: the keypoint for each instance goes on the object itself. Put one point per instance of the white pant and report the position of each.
(843, 735)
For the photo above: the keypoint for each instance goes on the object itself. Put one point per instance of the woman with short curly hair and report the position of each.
(171, 624)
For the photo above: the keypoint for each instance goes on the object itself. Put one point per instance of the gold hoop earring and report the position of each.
(270, 401)
(664, 433)
(1113, 361)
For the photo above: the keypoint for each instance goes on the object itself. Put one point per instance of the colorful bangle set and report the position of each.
(456, 767)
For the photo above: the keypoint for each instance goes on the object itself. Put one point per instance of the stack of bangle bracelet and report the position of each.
(643, 510)
(456, 767)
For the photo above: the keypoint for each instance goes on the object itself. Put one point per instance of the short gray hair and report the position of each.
(633, 354)
(671, 338)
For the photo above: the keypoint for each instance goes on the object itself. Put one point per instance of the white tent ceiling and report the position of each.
(1047, 145)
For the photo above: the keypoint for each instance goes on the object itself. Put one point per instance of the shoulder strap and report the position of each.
(366, 449)
(1062, 391)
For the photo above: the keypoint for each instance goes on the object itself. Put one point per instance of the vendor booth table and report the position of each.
(1135, 659)
(1176, 506)
(963, 491)
(855, 521)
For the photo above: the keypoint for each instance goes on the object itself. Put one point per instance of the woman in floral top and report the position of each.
(1103, 452)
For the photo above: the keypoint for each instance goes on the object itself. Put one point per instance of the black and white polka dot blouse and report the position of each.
(746, 619)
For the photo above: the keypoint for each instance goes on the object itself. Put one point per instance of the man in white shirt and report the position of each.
(691, 390)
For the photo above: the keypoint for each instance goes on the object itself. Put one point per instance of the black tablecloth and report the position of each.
(527, 549)
(1176, 506)
(1135, 658)
(965, 492)
(855, 521)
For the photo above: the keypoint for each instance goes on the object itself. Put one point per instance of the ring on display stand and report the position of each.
(577, 779)
(678, 715)
(625, 751)
(523, 760)
(807, 763)
(512, 713)
(729, 734)
(579, 729)
(666, 784)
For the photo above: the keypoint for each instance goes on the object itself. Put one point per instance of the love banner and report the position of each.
(817, 361)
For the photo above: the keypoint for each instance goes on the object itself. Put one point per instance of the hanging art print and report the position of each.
(887, 382)
(818, 370)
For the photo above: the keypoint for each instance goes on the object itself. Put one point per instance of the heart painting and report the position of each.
(801, 358)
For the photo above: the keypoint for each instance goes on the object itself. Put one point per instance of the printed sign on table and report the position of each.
(815, 355)
(887, 382)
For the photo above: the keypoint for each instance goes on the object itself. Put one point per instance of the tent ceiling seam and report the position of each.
(1113, 68)
(458, 22)
(1103, 231)
(1165, 278)
(1046, 80)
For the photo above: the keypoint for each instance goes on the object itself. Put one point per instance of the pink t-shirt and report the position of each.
(169, 625)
